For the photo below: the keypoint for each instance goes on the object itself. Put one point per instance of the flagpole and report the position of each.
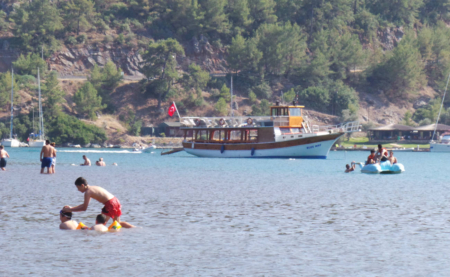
(177, 110)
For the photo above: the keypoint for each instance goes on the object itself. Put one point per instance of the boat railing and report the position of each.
(224, 121)
(252, 121)
(347, 127)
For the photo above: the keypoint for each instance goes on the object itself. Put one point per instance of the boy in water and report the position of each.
(100, 162)
(53, 157)
(66, 221)
(3, 155)
(112, 206)
(350, 168)
(100, 222)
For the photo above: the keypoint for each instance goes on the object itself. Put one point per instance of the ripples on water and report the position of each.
(229, 217)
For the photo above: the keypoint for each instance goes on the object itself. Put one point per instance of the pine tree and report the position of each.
(79, 13)
(53, 96)
(88, 103)
(160, 65)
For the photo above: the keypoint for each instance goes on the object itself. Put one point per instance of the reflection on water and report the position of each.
(230, 217)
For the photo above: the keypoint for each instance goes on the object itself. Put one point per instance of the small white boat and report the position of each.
(382, 168)
(148, 149)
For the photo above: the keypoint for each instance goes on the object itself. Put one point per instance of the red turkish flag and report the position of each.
(172, 109)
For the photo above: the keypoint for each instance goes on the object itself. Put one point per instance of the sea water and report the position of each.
(228, 217)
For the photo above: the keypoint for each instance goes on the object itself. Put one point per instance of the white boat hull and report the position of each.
(317, 150)
(439, 147)
(36, 143)
(10, 143)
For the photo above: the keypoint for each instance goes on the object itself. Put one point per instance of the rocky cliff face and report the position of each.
(77, 61)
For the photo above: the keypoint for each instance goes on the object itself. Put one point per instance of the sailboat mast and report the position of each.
(12, 107)
(231, 91)
(41, 122)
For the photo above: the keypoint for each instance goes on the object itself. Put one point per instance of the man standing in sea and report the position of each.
(3, 155)
(46, 157)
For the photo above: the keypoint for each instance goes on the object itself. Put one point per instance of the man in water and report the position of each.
(66, 221)
(112, 206)
(3, 156)
(350, 168)
(46, 157)
(100, 222)
(392, 159)
(382, 153)
(53, 157)
(100, 162)
(371, 158)
(87, 162)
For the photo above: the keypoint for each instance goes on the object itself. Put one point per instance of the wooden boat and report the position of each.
(286, 133)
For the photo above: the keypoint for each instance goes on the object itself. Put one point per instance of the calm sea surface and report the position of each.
(228, 217)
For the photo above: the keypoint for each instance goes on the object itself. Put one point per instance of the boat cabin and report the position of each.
(283, 120)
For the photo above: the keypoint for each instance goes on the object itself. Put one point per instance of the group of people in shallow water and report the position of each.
(381, 155)
(112, 208)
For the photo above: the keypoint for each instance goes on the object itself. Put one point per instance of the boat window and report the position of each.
(202, 135)
(235, 135)
(294, 112)
(295, 130)
(274, 112)
(253, 135)
(285, 130)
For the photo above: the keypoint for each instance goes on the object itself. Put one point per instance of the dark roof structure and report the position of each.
(393, 127)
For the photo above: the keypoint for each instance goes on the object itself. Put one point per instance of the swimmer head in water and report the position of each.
(65, 215)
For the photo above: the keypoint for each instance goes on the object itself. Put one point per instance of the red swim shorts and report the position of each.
(112, 208)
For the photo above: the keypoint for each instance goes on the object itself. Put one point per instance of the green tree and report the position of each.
(243, 55)
(317, 98)
(221, 107)
(5, 90)
(239, 15)
(198, 78)
(105, 80)
(214, 18)
(261, 12)
(79, 13)
(53, 96)
(225, 93)
(283, 47)
(400, 12)
(402, 73)
(87, 101)
(35, 24)
(289, 96)
(159, 64)
(407, 119)
(29, 64)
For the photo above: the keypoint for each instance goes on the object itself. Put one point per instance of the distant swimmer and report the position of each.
(87, 162)
(371, 159)
(115, 164)
(382, 153)
(112, 206)
(67, 223)
(100, 162)
(3, 156)
(392, 159)
(100, 223)
(350, 168)
(46, 157)
(53, 157)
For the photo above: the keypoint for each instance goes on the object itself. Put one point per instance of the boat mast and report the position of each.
(231, 102)
(41, 117)
(12, 99)
(442, 104)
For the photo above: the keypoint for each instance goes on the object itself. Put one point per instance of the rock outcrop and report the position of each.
(77, 61)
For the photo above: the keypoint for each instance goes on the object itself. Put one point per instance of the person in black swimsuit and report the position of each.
(3, 156)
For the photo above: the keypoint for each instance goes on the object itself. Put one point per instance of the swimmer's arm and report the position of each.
(42, 152)
(83, 207)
